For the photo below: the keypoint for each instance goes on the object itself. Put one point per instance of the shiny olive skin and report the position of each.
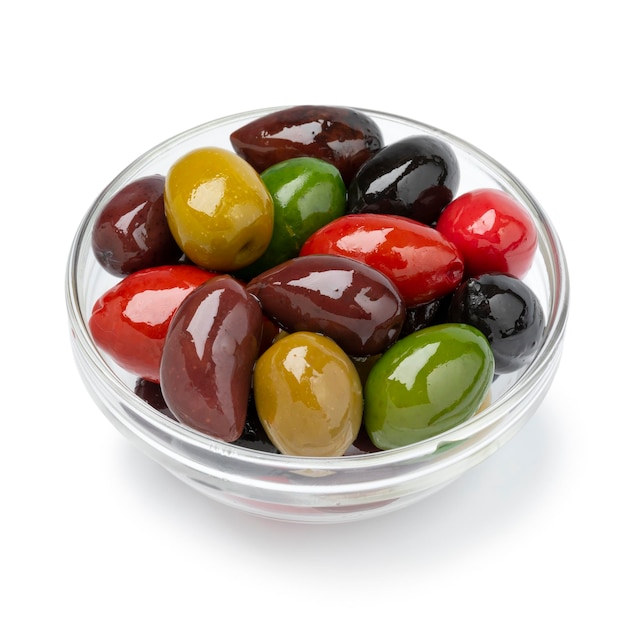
(218, 209)
(493, 231)
(427, 383)
(507, 311)
(424, 315)
(342, 136)
(307, 193)
(419, 260)
(414, 177)
(131, 232)
(208, 357)
(344, 299)
(308, 396)
(130, 320)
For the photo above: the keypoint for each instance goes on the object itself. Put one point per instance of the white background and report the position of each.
(93, 532)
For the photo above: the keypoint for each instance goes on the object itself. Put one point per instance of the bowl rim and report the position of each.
(474, 433)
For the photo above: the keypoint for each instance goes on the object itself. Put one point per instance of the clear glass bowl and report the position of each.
(318, 489)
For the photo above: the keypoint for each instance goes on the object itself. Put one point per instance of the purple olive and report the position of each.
(131, 231)
(344, 299)
(208, 356)
(344, 137)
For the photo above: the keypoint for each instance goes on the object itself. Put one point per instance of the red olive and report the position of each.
(492, 230)
(420, 261)
(129, 322)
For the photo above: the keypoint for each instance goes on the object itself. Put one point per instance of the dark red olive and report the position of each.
(131, 231)
(352, 303)
(507, 312)
(414, 177)
(208, 357)
(342, 136)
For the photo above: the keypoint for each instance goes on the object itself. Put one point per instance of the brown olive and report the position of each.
(342, 136)
(208, 356)
(131, 232)
(344, 299)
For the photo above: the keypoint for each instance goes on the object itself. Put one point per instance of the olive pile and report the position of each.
(314, 291)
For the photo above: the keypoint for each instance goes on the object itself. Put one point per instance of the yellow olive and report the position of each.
(308, 395)
(218, 209)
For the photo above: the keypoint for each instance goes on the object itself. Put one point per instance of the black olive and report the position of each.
(424, 315)
(507, 312)
(415, 177)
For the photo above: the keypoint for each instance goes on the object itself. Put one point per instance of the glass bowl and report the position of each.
(306, 489)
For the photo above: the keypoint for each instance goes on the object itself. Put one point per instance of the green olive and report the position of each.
(428, 382)
(307, 193)
(308, 395)
(218, 209)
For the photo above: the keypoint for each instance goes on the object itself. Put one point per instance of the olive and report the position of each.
(423, 315)
(414, 177)
(354, 304)
(418, 259)
(308, 396)
(307, 193)
(507, 311)
(254, 436)
(218, 209)
(427, 383)
(151, 393)
(129, 322)
(492, 230)
(131, 232)
(342, 136)
(208, 356)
